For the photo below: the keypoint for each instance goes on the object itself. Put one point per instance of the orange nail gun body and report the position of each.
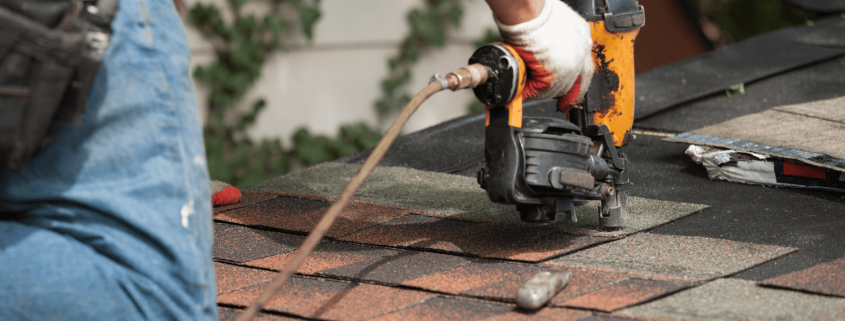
(546, 165)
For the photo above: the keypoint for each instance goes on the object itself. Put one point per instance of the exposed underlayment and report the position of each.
(734, 299)
(458, 197)
(675, 257)
(827, 278)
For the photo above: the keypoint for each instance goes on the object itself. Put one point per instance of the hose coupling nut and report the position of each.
(467, 77)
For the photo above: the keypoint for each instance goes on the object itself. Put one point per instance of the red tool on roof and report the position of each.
(224, 194)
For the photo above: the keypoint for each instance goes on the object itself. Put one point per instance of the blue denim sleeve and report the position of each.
(113, 220)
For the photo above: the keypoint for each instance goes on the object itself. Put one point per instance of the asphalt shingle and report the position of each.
(550, 314)
(397, 268)
(623, 294)
(827, 278)
(326, 255)
(247, 198)
(734, 299)
(483, 278)
(543, 247)
(326, 299)
(584, 280)
(302, 214)
(240, 244)
(232, 277)
(459, 197)
(675, 257)
(229, 314)
(441, 308)
(433, 193)
(418, 231)
(360, 262)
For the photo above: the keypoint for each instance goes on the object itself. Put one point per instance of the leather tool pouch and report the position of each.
(49, 54)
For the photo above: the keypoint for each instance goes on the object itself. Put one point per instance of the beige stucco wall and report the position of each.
(336, 78)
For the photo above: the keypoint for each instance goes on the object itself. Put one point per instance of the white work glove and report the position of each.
(556, 47)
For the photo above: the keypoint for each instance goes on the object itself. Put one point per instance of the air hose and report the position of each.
(462, 78)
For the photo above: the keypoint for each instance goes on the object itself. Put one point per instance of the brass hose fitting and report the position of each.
(467, 77)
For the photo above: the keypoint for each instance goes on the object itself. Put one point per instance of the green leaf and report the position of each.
(246, 26)
(249, 118)
(308, 16)
(342, 149)
(276, 25)
(383, 107)
(737, 88)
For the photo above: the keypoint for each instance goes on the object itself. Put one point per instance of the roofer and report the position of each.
(112, 219)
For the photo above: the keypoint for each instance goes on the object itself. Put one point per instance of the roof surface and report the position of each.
(421, 241)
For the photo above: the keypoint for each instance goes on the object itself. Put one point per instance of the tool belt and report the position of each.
(49, 54)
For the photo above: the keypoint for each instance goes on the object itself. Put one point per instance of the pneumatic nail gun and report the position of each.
(546, 165)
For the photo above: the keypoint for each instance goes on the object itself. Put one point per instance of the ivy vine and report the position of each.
(241, 48)
(429, 26)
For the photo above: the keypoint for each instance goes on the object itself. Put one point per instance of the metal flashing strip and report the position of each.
(811, 158)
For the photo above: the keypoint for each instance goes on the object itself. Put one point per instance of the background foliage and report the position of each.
(241, 48)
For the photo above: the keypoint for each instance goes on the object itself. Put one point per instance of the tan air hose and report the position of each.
(465, 77)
